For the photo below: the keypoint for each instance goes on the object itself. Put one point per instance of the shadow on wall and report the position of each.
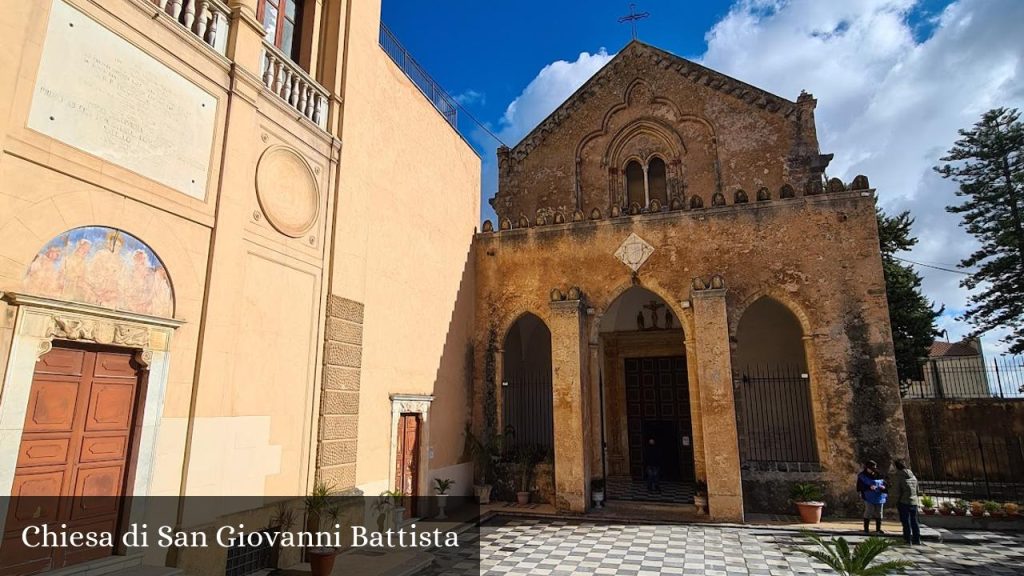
(452, 389)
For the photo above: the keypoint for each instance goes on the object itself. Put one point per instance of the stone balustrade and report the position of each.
(286, 79)
(207, 19)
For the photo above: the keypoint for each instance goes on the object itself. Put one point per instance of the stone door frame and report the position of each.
(411, 404)
(38, 322)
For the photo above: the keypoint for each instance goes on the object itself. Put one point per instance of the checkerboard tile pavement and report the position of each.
(626, 488)
(514, 547)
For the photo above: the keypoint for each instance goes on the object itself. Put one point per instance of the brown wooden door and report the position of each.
(73, 463)
(658, 406)
(407, 463)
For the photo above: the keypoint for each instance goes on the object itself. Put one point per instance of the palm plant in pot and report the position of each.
(700, 496)
(597, 491)
(526, 460)
(441, 487)
(321, 508)
(484, 455)
(807, 497)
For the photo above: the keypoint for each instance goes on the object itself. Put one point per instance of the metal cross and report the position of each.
(633, 17)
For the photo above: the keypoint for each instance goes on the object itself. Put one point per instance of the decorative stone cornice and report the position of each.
(72, 308)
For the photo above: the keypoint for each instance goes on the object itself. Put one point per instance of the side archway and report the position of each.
(527, 400)
(774, 408)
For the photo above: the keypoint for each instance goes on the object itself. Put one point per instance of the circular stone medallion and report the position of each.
(287, 191)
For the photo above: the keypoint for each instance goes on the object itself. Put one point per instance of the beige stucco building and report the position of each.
(216, 281)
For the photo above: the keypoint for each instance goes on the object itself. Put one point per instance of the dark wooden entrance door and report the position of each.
(407, 463)
(73, 464)
(658, 406)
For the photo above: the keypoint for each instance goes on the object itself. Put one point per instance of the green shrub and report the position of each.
(837, 555)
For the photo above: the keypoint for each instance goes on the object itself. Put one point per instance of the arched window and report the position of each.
(635, 184)
(657, 181)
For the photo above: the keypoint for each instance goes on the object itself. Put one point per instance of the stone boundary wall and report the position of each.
(339, 400)
(949, 418)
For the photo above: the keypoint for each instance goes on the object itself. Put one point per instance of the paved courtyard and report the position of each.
(559, 548)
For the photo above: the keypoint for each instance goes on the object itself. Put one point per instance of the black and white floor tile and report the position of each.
(626, 488)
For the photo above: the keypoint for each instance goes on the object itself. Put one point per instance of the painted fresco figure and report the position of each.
(873, 491)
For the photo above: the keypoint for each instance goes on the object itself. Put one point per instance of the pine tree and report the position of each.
(988, 164)
(910, 313)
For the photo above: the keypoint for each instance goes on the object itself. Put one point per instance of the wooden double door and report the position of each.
(658, 407)
(75, 459)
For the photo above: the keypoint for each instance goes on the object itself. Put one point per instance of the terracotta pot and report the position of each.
(321, 563)
(523, 497)
(810, 512)
(929, 511)
(944, 511)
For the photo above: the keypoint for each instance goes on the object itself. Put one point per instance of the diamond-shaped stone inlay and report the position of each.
(634, 251)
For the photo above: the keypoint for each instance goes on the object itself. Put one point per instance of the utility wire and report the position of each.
(932, 266)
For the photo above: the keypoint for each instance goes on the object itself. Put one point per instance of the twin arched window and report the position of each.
(645, 183)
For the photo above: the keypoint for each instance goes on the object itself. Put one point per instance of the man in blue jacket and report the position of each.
(871, 485)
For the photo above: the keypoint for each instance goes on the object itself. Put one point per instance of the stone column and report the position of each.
(718, 410)
(569, 350)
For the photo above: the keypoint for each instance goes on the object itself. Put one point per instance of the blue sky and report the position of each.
(894, 80)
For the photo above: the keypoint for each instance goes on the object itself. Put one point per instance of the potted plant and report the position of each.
(928, 504)
(1011, 508)
(700, 497)
(858, 560)
(597, 491)
(282, 520)
(977, 508)
(960, 507)
(390, 510)
(484, 456)
(992, 508)
(946, 508)
(319, 507)
(526, 459)
(441, 487)
(807, 497)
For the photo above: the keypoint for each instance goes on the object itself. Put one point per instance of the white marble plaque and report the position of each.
(101, 94)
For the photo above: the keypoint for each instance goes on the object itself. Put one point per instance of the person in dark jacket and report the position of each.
(652, 465)
(871, 486)
(903, 491)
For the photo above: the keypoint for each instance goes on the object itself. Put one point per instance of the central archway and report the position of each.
(647, 413)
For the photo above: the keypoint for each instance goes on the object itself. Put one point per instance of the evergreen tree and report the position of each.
(910, 313)
(988, 164)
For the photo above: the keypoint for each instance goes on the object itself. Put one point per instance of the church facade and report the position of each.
(669, 250)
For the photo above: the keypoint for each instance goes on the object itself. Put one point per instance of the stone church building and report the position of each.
(240, 256)
(669, 250)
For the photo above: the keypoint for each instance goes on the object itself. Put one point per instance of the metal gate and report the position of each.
(773, 416)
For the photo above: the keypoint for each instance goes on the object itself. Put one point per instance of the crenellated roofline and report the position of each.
(715, 80)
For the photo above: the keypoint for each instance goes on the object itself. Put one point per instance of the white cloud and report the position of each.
(889, 106)
(470, 97)
(552, 86)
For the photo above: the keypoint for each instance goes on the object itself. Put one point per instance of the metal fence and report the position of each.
(774, 418)
(528, 411)
(968, 377)
(971, 466)
(437, 96)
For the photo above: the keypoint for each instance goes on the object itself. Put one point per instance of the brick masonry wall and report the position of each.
(339, 402)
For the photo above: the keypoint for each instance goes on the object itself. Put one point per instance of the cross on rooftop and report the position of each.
(633, 17)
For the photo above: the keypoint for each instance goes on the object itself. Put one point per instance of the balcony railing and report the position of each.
(437, 96)
(293, 85)
(207, 19)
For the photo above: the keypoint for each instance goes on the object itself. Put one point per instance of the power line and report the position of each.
(932, 266)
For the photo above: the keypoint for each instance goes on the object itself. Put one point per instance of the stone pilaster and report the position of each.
(569, 351)
(717, 407)
(339, 397)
